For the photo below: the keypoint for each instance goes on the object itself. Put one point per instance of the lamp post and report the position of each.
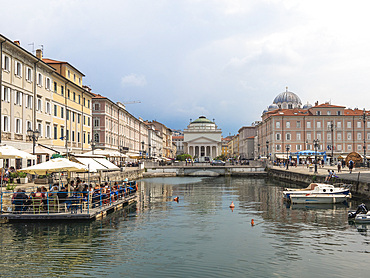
(258, 154)
(93, 144)
(267, 147)
(287, 157)
(331, 128)
(142, 149)
(364, 118)
(34, 136)
(316, 145)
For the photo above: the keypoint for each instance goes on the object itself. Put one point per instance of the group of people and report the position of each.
(79, 192)
(330, 176)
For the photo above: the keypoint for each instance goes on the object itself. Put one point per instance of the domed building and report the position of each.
(287, 100)
(202, 138)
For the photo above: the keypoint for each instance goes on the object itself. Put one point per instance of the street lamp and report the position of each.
(34, 136)
(331, 128)
(316, 145)
(267, 147)
(287, 157)
(142, 149)
(258, 150)
(364, 118)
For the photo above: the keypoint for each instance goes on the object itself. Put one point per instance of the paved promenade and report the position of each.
(323, 171)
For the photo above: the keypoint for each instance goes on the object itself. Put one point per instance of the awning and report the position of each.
(91, 164)
(41, 151)
(106, 163)
(281, 156)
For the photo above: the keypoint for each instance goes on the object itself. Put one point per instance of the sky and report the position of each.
(223, 59)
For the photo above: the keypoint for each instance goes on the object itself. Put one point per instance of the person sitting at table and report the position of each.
(62, 195)
(19, 200)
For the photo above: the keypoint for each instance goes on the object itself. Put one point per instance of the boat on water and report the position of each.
(312, 198)
(316, 189)
(361, 215)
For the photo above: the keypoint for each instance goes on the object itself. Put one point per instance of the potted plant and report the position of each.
(44, 179)
(22, 177)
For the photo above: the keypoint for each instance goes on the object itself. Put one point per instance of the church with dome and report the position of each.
(287, 100)
(202, 138)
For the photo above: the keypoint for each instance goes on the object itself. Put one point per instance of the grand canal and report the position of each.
(200, 236)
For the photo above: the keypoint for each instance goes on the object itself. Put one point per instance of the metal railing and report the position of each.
(64, 202)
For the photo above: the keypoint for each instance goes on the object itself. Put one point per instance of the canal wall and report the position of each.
(360, 187)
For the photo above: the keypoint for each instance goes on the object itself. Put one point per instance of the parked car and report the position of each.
(218, 163)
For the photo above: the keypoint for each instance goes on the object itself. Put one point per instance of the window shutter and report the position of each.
(15, 96)
(8, 94)
(20, 98)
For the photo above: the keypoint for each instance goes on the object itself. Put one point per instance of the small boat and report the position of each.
(362, 218)
(313, 198)
(317, 189)
(361, 209)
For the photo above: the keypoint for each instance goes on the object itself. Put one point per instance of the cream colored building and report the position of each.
(202, 138)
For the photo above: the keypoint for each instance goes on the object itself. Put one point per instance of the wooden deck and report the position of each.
(86, 214)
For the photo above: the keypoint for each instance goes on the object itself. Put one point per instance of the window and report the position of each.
(55, 110)
(88, 121)
(298, 136)
(339, 147)
(6, 63)
(96, 123)
(88, 103)
(78, 137)
(84, 138)
(97, 107)
(339, 124)
(308, 147)
(55, 87)
(62, 90)
(287, 124)
(73, 116)
(84, 102)
(74, 96)
(298, 124)
(79, 99)
(349, 147)
(299, 147)
(318, 136)
(288, 136)
(308, 124)
(6, 94)
(318, 124)
(62, 133)
(73, 136)
(18, 98)
(48, 108)
(96, 137)
(29, 102)
(79, 80)
(48, 131)
(74, 77)
(278, 147)
(339, 136)
(48, 84)
(368, 124)
(62, 112)
(18, 126)
(6, 123)
(318, 113)
(368, 136)
(88, 137)
(349, 135)
(67, 114)
(309, 136)
(18, 69)
(328, 112)
(68, 94)
(39, 104)
(55, 132)
(84, 120)
(28, 125)
(78, 118)
(348, 124)
(69, 74)
(328, 136)
(358, 124)
(358, 135)
(278, 136)
(39, 128)
(359, 147)
(39, 79)
(29, 74)
(67, 134)
(338, 113)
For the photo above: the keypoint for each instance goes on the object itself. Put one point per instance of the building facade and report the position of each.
(202, 138)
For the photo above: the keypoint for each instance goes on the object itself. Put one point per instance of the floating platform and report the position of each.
(79, 214)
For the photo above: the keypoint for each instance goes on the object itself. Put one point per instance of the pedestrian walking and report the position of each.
(350, 166)
(339, 164)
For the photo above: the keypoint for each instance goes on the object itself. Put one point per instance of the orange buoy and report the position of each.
(232, 205)
(252, 222)
(176, 199)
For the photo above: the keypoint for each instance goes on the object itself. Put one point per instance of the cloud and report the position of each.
(133, 80)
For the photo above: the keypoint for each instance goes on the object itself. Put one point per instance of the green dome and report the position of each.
(202, 120)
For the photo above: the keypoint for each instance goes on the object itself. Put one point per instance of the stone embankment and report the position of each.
(359, 178)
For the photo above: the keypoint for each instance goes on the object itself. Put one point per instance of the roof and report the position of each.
(327, 105)
(51, 62)
(178, 137)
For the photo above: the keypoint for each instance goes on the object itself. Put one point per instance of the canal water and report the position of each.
(199, 236)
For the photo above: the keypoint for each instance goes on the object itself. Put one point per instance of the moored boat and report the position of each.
(319, 198)
(316, 189)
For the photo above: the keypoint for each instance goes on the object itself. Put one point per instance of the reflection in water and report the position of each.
(197, 237)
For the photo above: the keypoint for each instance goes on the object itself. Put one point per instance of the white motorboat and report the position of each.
(312, 198)
(362, 218)
(316, 189)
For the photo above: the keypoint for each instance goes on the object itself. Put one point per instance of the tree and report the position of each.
(183, 157)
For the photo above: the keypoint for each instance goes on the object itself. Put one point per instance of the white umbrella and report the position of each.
(55, 165)
(9, 152)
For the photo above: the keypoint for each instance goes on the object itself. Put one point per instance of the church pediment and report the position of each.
(202, 140)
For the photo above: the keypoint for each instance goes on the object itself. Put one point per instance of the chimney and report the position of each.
(39, 53)
(316, 103)
(17, 43)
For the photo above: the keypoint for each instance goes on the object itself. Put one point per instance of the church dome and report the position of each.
(273, 107)
(202, 120)
(307, 106)
(287, 100)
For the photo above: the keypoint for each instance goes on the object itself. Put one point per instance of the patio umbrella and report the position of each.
(55, 165)
(9, 152)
